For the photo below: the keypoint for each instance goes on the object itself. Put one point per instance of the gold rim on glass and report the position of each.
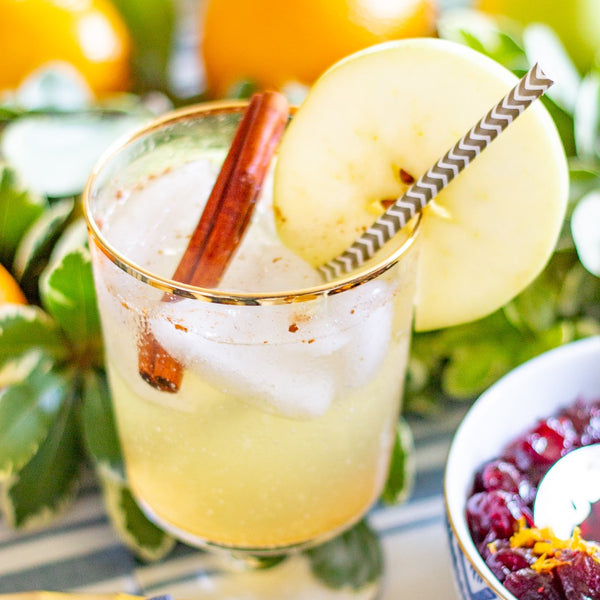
(211, 295)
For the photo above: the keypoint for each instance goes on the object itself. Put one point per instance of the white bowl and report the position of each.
(534, 390)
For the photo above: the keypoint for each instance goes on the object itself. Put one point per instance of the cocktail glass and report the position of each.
(281, 433)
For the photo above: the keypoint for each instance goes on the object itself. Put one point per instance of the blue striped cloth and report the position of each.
(81, 553)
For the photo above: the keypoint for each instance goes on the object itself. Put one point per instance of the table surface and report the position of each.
(80, 552)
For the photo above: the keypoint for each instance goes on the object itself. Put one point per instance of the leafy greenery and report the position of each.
(55, 410)
(32, 254)
(18, 210)
(27, 410)
(103, 446)
(351, 560)
(29, 499)
(401, 470)
(152, 25)
(562, 304)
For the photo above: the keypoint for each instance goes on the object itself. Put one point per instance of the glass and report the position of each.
(281, 432)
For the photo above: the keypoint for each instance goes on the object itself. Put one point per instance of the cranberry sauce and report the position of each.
(534, 564)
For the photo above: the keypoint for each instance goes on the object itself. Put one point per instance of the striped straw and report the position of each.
(533, 85)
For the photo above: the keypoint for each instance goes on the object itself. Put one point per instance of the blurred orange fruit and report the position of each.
(273, 42)
(88, 34)
(9, 289)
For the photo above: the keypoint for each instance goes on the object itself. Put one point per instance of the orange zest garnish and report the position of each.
(547, 546)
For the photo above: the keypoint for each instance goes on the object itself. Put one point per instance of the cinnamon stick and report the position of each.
(223, 222)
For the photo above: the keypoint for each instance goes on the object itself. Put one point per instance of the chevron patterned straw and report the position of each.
(533, 85)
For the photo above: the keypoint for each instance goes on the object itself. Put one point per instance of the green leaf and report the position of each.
(463, 360)
(579, 295)
(27, 410)
(99, 427)
(573, 290)
(55, 153)
(47, 484)
(517, 49)
(563, 119)
(53, 87)
(426, 404)
(586, 327)
(264, 562)
(543, 45)
(418, 374)
(67, 293)
(19, 208)
(587, 117)
(402, 466)
(24, 328)
(583, 179)
(9, 113)
(242, 89)
(535, 307)
(475, 365)
(352, 560)
(139, 534)
(151, 24)
(585, 227)
(482, 33)
(35, 247)
(560, 333)
(73, 238)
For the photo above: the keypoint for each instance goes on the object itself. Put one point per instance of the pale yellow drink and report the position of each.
(282, 429)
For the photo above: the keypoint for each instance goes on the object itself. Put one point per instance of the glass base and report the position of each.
(251, 556)
(292, 579)
(346, 567)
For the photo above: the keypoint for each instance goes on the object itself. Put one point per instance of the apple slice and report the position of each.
(383, 116)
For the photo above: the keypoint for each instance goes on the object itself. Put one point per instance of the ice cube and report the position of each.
(368, 348)
(292, 359)
(249, 352)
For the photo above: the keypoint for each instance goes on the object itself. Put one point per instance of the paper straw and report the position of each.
(533, 85)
